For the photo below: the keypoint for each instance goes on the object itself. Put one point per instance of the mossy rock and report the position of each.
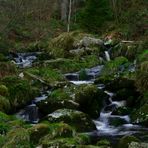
(65, 142)
(60, 46)
(126, 140)
(120, 83)
(17, 138)
(79, 120)
(59, 98)
(37, 132)
(90, 99)
(140, 115)
(20, 92)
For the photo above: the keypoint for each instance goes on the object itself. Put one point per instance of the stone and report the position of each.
(79, 120)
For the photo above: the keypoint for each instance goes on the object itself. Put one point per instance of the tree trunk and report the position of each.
(69, 16)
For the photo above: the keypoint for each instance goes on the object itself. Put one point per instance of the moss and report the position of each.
(20, 91)
(65, 142)
(48, 74)
(38, 131)
(58, 130)
(143, 56)
(90, 99)
(128, 50)
(78, 120)
(73, 65)
(115, 66)
(60, 46)
(104, 143)
(3, 90)
(17, 138)
(126, 140)
(4, 104)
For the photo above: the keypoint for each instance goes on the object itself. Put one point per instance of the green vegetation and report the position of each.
(39, 27)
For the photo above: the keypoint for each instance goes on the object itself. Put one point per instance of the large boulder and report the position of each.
(79, 120)
(90, 99)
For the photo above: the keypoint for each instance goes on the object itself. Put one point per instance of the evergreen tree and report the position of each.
(95, 14)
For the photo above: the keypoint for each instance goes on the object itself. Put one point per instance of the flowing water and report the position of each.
(104, 124)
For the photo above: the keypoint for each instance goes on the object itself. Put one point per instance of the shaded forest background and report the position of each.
(25, 23)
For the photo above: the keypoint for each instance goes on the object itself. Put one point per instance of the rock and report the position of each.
(126, 140)
(79, 120)
(86, 98)
(140, 115)
(120, 83)
(59, 98)
(90, 99)
(89, 41)
(138, 145)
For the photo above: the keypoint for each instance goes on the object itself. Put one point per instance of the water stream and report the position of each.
(104, 123)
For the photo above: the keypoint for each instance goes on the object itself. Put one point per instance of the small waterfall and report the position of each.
(107, 56)
(104, 123)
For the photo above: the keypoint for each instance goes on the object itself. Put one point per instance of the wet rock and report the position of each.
(79, 120)
(125, 141)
